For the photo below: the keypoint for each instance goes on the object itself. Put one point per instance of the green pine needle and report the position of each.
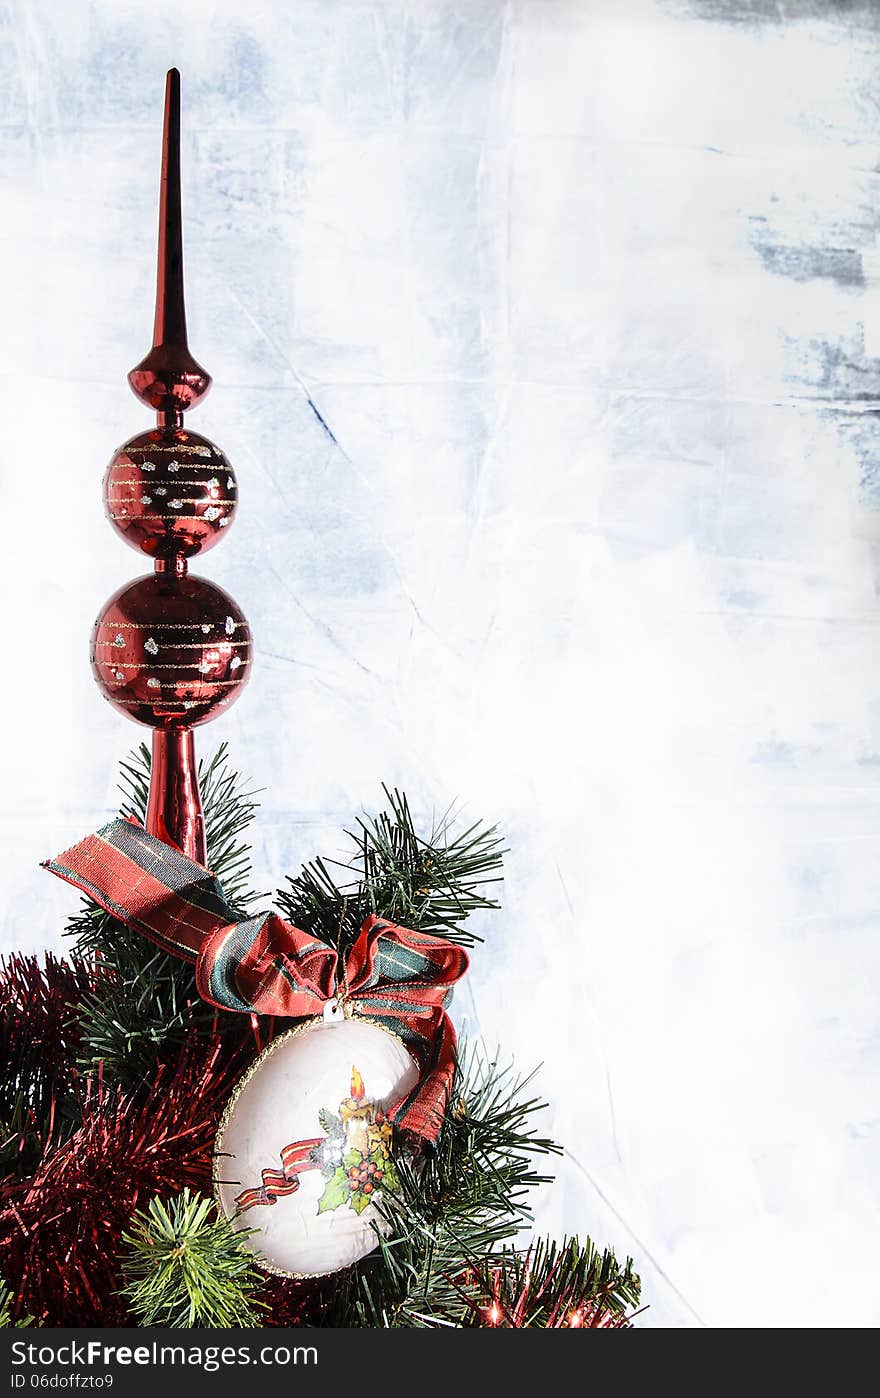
(433, 884)
(185, 1266)
(6, 1320)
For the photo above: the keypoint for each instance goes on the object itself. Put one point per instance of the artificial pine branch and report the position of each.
(547, 1286)
(146, 1004)
(433, 884)
(184, 1265)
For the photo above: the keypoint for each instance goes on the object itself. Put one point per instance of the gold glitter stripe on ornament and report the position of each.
(147, 665)
(144, 513)
(142, 485)
(181, 514)
(163, 625)
(242, 1083)
(196, 482)
(172, 708)
(206, 680)
(185, 499)
(239, 647)
(186, 448)
(186, 645)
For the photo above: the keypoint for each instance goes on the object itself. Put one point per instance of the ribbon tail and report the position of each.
(146, 884)
(429, 1035)
(259, 964)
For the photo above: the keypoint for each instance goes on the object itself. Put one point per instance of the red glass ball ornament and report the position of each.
(170, 493)
(171, 651)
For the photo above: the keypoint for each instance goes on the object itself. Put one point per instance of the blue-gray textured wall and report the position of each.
(542, 335)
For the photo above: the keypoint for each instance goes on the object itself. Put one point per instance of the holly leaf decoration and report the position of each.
(335, 1192)
(352, 1157)
(359, 1201)
(390, 1177)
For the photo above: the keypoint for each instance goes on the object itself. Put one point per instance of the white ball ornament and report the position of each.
(304, 1146)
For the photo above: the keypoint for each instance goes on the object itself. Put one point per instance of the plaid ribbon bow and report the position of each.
(392, 976)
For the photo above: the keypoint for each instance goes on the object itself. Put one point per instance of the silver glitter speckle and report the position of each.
(147, 466)
(235, 662)
(152, 684)
(214, 482)
(205, 667)
(146, 499)
(223, 523)
(151, 646)
(160, 490)
(174, 467)
(230, 626)
(118, 675)
(212, 512)
(175, 504)
(206, 630)
(119, 639)
(230, 483)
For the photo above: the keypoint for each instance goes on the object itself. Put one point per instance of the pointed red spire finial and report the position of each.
(171, 650)
(169, 379)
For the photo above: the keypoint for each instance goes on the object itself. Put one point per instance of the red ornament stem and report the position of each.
(176, 565)
(174, 809)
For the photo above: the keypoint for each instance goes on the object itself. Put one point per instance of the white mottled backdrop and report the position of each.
(541, 333)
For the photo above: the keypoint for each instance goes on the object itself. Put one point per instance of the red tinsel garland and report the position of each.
(60, 1230)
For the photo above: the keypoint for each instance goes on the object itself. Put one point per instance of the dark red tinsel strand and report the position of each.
(39, 1038)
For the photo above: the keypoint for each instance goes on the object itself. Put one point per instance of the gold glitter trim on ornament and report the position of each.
(161, 626)
(122, 502)
(166, 625)
(350, 1011)
(175, 447)
(134, 478)
(157, 665)
(193, 681)
(184, 499)
(171, 645)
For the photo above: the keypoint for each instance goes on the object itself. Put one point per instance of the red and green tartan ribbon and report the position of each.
(393, 976)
